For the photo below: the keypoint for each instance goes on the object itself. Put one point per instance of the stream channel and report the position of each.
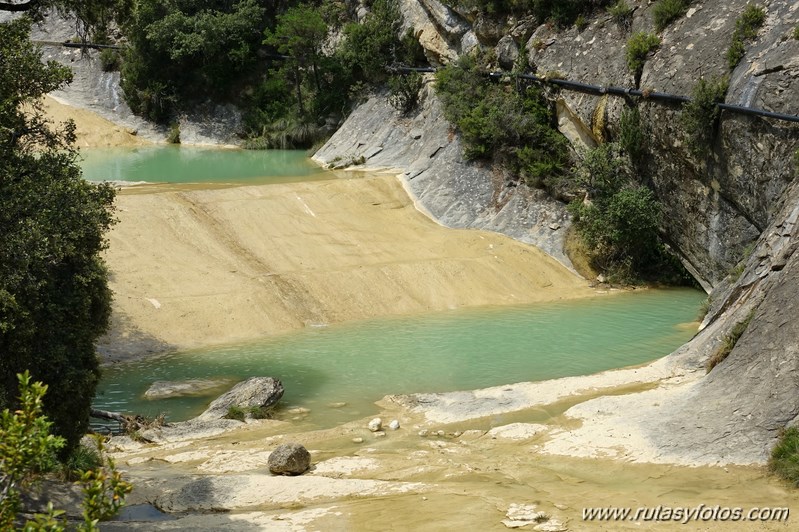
(336, 372)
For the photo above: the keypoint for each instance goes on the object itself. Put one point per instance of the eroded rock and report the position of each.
(289, 459)
(257, 392)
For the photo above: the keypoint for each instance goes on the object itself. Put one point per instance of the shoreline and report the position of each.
(589, 454)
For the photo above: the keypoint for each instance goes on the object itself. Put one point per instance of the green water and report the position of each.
(185, 164)
(358, 363)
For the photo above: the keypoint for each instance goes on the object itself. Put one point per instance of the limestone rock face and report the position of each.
(261, 392)
(289, 459)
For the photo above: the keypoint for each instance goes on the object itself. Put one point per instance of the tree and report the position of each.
(182, 52)
(54, 296)
(299, 34)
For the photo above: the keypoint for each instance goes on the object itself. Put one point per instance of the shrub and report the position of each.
(700, 116)
(173, 136)
(632, 134)
(639, 47)
(621, 232)
(511, 125)
(746, 28)
(581, 22)
(81, 459)
(796, 33)
(27, 448)
(110, 60)
(667, 11)
(404, 91)
(622, 14)
(728, 343)
(784, 461)
(240, 413)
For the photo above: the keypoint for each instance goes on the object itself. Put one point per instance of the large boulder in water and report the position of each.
(289, 459)
(255, 392)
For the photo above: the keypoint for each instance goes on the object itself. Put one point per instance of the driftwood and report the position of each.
(130, 425)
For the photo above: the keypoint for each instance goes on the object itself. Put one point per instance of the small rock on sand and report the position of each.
(376, 424)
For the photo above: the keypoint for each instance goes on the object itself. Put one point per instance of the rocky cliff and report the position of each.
(738, 197)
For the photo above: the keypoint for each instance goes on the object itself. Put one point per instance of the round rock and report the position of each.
(289, 459)
(376, 424)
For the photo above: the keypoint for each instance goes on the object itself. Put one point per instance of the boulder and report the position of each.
(289, 459)
(507, 52)
(259, 392)
(376, 424)
(190, 387)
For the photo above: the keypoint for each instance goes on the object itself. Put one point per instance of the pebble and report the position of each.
(380, 434)
(376, 424)
(423, 433)
(357, 440)
(394, 425)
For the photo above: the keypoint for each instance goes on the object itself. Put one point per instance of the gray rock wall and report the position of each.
(718, 204)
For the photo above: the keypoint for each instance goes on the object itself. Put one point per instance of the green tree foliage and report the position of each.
(701, 115)
(300, 33)
(619, 220)
(27, 449)
(746, 27)
(183, 51)
(372, 46)
(513, 127)
(54, 298)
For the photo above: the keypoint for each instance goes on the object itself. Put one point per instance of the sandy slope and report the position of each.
(197, 267)
(92, 130)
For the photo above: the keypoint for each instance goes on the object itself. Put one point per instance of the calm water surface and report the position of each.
(186, 164)
(358, 363)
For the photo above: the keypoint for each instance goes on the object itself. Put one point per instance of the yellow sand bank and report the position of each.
(199, 267)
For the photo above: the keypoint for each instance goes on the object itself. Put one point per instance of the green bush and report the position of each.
(728, 343)
(746, 27)
(27, 449)
(633, 137)
(404, 91)
(639, 46)
(173, 136)
(110, 60)
(240, 413)
(515, 128)
(700, 116)
(796, 33)
(622, 14)
(667, 11)
(784, 461)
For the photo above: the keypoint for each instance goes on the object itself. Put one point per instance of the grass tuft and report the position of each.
(784, 461)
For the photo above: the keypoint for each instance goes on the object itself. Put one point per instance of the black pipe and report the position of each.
(598, 90)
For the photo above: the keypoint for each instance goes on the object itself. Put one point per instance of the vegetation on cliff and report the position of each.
(784, 460)
(274, 60)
